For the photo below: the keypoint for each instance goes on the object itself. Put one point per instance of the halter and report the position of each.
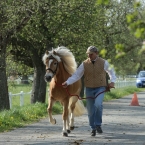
(54, 72)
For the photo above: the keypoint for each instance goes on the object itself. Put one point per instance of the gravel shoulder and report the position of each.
(122, 125)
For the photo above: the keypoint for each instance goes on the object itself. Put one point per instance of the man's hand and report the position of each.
(64, 84)
(111, 85)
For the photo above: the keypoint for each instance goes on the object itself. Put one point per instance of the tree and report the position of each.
(13, 17)
(135, 23)
(54, 23)
(115, 38)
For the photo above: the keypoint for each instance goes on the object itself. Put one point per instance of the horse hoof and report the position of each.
(53, 121)
(72, 128)
(68, 131)
(64, 134)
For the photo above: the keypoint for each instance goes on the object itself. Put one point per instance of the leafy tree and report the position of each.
(61, 23)
(14, 15)
(136, 22)
(17, 70)
(115, 38)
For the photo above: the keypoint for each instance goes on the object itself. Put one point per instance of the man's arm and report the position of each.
(111, 74)
(75, 77)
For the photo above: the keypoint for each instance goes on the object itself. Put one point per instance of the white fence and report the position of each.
(21, 95)
(118, 84)
(124, 83)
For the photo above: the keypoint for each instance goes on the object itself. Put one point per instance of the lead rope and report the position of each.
(106, 90)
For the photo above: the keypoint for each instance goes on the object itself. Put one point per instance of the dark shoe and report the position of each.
(99, 129)
(93, 133)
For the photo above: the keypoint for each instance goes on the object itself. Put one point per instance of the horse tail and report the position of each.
(79, 107)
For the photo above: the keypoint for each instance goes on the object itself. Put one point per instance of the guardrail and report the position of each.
(21, 95)
(124, 83)
(118, 84)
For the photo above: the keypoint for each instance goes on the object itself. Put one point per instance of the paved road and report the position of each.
(122, 125)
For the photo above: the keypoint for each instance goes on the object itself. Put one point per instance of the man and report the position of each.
(94, 70)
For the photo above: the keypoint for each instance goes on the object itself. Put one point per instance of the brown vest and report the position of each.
(94, 74)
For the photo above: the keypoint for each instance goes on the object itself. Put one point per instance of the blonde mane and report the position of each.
(65, 55)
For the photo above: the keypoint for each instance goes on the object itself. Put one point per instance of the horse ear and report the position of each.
(47, 52)
(54, 53)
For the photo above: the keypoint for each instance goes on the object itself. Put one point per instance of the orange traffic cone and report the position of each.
(134, 101)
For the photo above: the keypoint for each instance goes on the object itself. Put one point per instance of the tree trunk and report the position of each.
(39, 86)
(4, 97)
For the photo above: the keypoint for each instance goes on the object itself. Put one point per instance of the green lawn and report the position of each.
(17, 88)
(26, 88)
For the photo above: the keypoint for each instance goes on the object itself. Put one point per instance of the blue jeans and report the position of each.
(95, 106)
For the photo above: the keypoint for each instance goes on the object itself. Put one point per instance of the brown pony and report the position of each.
(60, 65)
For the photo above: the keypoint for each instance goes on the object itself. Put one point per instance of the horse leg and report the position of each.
(68, 127)
(72, 121)
(72, 117)
(65, 118)
(73, 101)
(49, 109)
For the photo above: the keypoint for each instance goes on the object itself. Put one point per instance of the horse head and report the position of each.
(51, 60)
(59, 58)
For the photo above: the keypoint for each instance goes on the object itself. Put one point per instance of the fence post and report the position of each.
(10, 99)
(21, 98)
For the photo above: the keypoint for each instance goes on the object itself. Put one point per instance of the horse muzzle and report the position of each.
(47, 78)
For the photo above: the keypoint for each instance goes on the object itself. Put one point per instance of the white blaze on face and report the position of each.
(49, 64)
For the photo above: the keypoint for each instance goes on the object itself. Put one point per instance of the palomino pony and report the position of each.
(60, 65)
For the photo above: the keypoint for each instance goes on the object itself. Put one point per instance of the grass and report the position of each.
(29, 113)
(20, 116)
(121, 92)
(17, 88)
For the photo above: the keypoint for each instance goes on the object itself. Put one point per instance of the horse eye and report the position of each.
(55, 63)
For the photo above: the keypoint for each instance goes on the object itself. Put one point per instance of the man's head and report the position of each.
(91, 49)
(92, 52)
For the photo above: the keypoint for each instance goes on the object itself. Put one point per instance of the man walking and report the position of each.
(94, 70)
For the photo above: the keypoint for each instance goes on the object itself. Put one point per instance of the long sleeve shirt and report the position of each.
(80, 72)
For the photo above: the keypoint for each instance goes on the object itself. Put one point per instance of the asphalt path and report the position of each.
(123, 124)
